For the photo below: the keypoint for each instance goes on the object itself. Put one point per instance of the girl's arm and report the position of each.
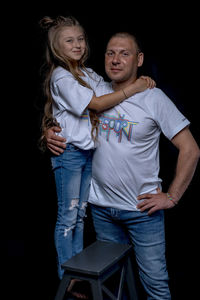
(109, 100)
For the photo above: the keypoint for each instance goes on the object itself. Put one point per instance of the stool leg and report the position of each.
(131, 281)
(121, 283)
(62, 287)
(96, 290)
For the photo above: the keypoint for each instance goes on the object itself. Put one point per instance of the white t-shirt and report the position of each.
(126, 161)
(70, 102)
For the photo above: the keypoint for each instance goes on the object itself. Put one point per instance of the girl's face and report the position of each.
(72, 42)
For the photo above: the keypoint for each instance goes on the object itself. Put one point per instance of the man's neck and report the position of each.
(121, 85)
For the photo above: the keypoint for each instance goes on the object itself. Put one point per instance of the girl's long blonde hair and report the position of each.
(53, 59)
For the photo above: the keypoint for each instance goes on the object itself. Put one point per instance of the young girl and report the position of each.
(71, 103)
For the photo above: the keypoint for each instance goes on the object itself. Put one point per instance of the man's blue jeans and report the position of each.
(147, 235)
(72, 171)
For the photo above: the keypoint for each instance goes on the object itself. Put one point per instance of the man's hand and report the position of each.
(56, 144)
(154, 202)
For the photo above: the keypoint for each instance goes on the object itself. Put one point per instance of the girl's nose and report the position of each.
(77, 44)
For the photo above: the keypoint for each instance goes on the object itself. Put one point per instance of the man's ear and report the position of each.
(140, 59)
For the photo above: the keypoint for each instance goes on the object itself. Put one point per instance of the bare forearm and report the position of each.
(186, 165)
(184, 172)
(107, 101)
(110, 100)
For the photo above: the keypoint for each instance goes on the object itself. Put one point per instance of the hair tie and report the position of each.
(46, 23)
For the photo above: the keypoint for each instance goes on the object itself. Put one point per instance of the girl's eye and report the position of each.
(69, 41)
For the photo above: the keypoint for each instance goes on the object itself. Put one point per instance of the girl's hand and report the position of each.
(144, 82)
(149, 81)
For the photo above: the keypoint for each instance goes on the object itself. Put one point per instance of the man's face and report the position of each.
(122, 59)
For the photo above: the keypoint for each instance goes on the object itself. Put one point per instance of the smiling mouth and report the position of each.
(78, 51)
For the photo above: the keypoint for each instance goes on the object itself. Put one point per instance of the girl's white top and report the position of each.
(70, 101)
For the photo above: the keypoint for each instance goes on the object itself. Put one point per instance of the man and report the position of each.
(126, 199)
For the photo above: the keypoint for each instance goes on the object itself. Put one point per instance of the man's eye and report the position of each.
(125, 54)
(109, 53)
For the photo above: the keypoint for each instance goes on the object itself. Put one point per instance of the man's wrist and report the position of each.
(171, 198)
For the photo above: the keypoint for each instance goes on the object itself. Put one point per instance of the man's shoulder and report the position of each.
(148, 96)
(155, 92)
(153, 96)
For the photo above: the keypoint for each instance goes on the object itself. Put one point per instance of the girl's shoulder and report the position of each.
(59, 73)
(93, 76)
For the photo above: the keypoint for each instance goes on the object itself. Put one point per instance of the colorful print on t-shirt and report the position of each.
(118, 125)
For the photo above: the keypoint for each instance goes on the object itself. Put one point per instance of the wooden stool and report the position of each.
(97, 263)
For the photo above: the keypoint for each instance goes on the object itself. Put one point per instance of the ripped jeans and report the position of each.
(72, 171)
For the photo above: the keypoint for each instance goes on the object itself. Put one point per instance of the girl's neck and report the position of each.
(79, 71)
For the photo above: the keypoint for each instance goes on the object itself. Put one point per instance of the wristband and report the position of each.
(169, 196)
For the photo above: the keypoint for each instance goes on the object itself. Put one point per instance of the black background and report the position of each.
(169, 32)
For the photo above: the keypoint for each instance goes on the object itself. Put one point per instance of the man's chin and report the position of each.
(116, 77)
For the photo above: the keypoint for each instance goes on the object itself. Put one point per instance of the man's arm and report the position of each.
(188, 157)
(56, 144)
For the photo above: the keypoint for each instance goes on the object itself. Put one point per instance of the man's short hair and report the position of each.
(127, 35)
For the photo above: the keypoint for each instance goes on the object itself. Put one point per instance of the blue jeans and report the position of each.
(147, 235)
(72, 171)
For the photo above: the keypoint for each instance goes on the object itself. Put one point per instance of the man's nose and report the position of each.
(116, 59)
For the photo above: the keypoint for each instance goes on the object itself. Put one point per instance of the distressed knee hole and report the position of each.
(74, 203)
(82, 210)
(67, 230)
(84, 205)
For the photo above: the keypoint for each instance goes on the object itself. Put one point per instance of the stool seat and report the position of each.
(97, 258)
(95, 264)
